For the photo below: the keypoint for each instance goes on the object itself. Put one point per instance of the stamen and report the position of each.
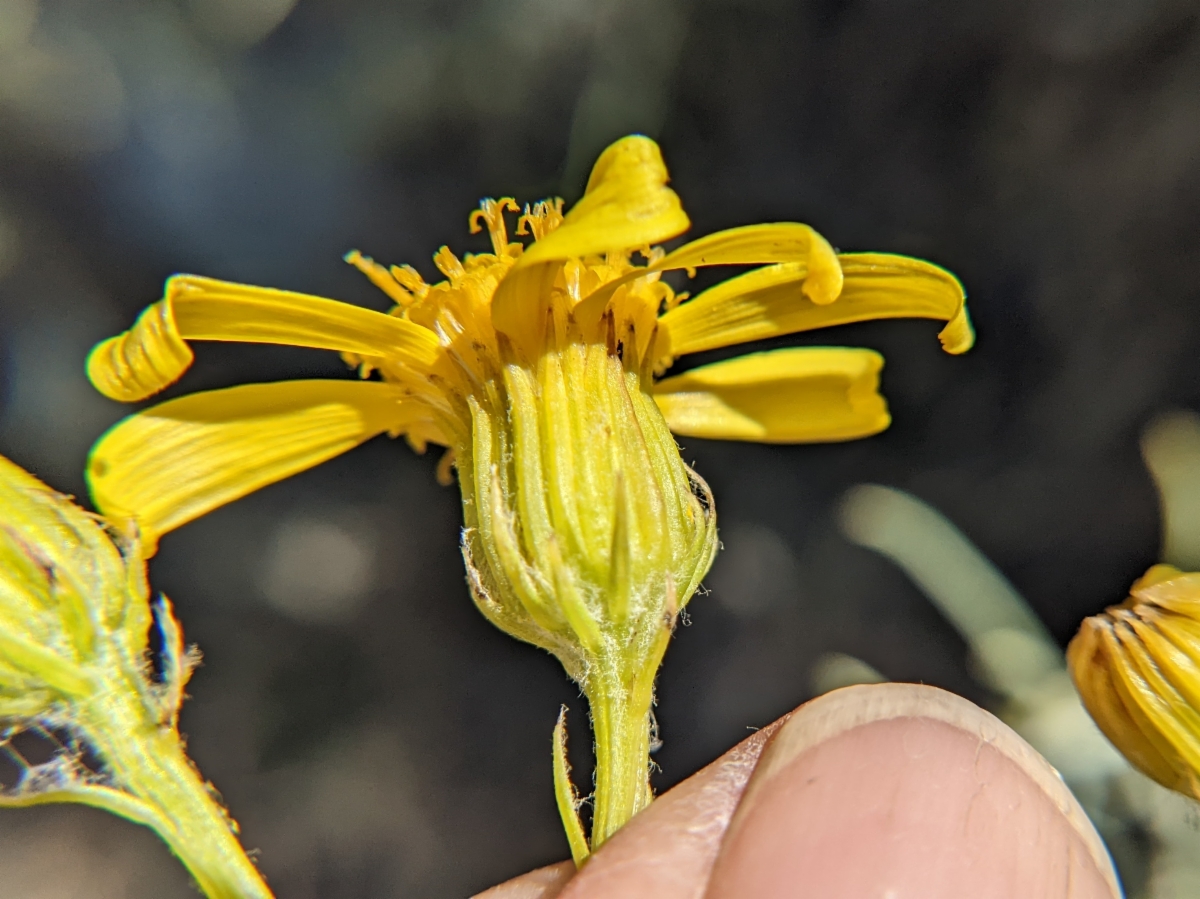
(410, 279)
(449, 265)
(652, 254)
(492, 213)
(380, 277)
(543, 218)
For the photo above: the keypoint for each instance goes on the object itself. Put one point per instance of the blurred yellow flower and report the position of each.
(539, 366)
(1137, 668)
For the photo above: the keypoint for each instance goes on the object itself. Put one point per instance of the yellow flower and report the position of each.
(539, 367)
(1137, 667)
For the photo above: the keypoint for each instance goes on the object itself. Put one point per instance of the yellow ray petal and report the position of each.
(1175, 663)
(764, 245)
(798, 395)
(627, 204)
(1099, 666)
(1172, 723)
(819, 272)
(176, 461)
(768, 302)
(153, 353)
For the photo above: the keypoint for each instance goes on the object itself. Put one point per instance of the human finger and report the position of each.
(542, 883)
(898, 790)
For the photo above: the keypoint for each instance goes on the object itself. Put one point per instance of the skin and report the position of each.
(887, 791)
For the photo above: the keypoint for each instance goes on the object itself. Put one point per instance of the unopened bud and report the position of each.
(1137, 668)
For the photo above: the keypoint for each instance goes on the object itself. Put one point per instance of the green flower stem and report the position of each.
(620, 697)
(149, 762)
(621, 723)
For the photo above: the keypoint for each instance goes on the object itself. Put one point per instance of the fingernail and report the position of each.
(899, 790)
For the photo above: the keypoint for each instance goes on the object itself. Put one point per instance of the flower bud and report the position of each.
(71, 604)
(75, 615)
(1137, 668)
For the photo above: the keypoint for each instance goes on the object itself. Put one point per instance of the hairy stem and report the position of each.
(621, 722)
(149, 762)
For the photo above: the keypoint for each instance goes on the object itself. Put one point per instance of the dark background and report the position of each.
(372, 733)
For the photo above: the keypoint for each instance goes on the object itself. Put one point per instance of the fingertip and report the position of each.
(905, 790)
(543, 883)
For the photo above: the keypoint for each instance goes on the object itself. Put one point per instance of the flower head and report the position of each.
(447, 345)
(539, 366)
(1137, 667)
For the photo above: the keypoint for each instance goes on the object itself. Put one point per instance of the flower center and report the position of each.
(459, 309)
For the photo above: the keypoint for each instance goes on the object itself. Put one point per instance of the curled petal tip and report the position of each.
(634, 152)
(825, 279)
(145, 359)
(959, 334)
